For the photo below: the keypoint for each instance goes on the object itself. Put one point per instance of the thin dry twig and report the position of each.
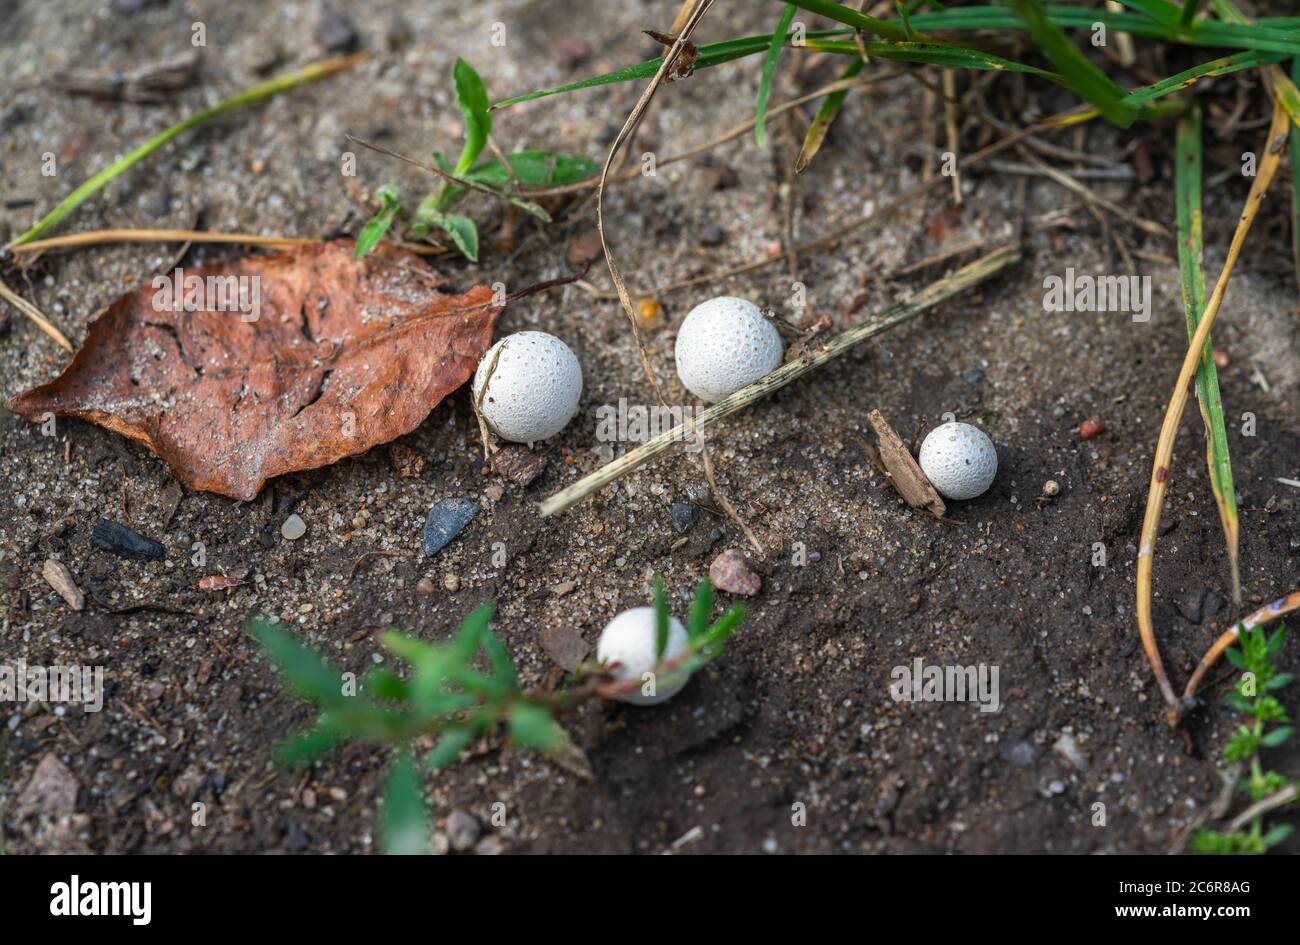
(1260, 808)
(32, 312)
(629, 126)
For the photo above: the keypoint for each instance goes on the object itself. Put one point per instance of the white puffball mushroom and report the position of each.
(533, 391)
(725, 344)
(630, 640)
(959, 460)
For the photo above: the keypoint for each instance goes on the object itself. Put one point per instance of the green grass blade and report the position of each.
(661, 618)
(1224, 65)
(1268, 34)
(701, 609)
(1282, 87)
(405, 825)
(821, 123)
(1085, 78)
(1189, 12)
(859, 21)
(1162, 11)
(1187, 191)
(769, 70)
(250, 96)
(956, 57)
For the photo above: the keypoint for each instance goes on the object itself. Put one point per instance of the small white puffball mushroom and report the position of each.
(630, 640)
(533, 391)
(725, 344)
(959, 460)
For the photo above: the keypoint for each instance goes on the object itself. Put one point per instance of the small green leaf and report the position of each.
(472, 97)
(384, 684)
(701, 610)
(463, 233)
(532, 169)
(503, 668)
(1280, 680)
(307, 746)
(378, 225)
(454, 740)
(661, 618)
(472, 629)
(532, 727)
(404, 826)
(1277, 835)
(303, 669)
(1277, 736)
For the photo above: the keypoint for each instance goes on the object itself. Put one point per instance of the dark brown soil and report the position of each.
(798, 712)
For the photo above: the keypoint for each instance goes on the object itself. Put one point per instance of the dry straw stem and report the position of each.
(692, 20)
(1268, 165)
(1262, 807)
(1260, 617)
(965, 278)
(32, 312)
(102, 237)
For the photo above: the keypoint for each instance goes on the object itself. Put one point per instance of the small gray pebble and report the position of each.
(463, 830)
(1018, 751)
(682, 515)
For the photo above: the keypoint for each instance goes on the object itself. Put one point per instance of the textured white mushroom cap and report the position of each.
(534, 390)
(960, 460)
(725, 344)
(630, 640)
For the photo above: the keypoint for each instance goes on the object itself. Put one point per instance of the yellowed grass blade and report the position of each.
(1268, 165)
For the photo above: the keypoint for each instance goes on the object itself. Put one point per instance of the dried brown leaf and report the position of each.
(345, 354)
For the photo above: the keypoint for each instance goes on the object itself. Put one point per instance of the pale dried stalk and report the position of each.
(965, 278)
(99, 237)
(32, 312)
(1268, 166)
(1230, 636)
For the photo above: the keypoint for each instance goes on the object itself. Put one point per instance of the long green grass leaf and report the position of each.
(859, 21)
(1162, 11)
(1187, 191)
(769, 70)
(250, 96)
(1084, 77)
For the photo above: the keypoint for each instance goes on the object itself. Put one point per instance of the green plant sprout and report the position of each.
(454, 694)
(523, 169)
(1253, 697)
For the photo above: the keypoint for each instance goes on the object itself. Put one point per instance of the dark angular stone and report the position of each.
(125, 543)
(446, 519)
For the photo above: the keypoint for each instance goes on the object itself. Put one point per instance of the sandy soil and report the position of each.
(799, 710)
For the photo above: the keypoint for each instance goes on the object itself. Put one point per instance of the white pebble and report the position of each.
(533, 392)
(630, 640)
(293, 528)
(959, 460)
(725, 344)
